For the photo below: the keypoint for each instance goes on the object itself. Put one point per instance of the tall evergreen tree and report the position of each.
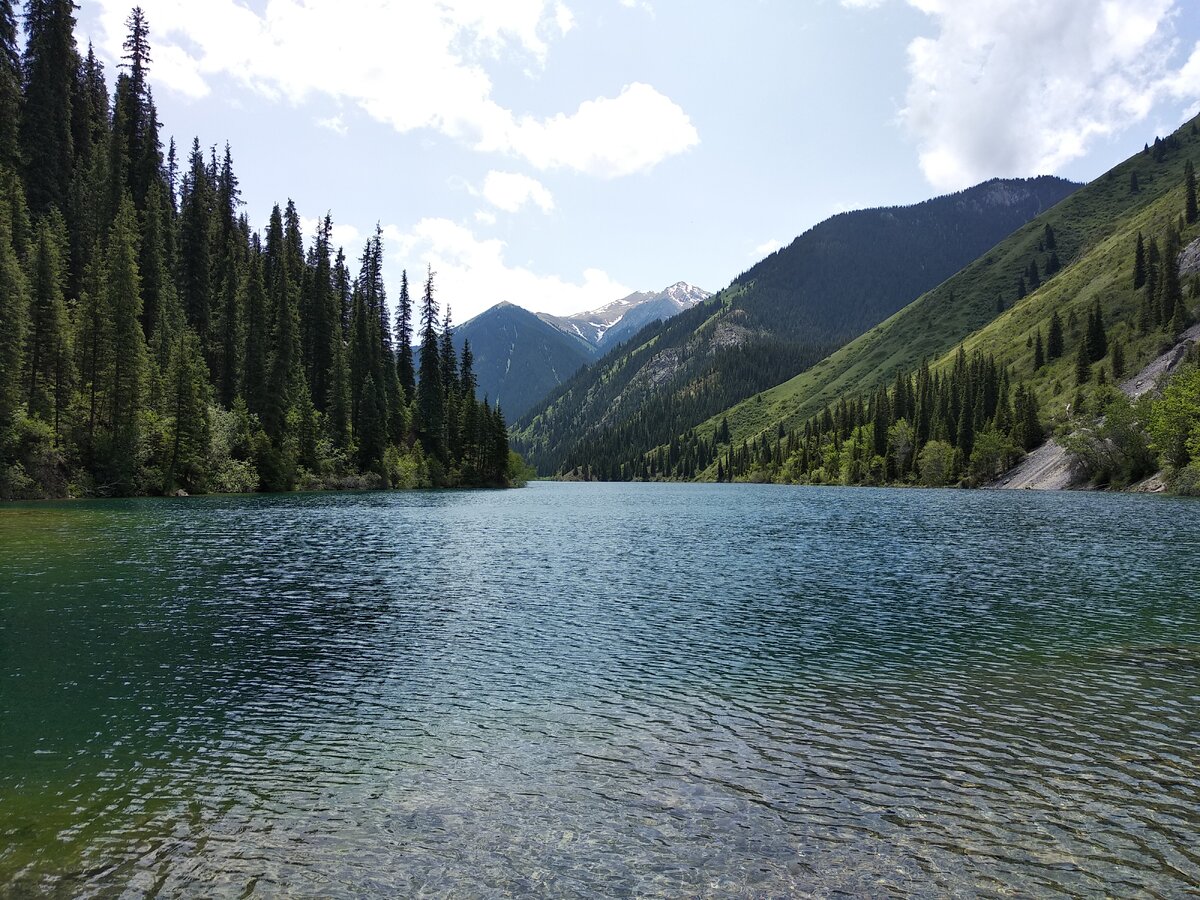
(190, 421)
(1189, 175)
(195, 248)
(124, 296)
(1054, 340)
(1139, 264)
(256, 360)
(14, 315)
(1039, 353)
(284, 293)
(1083, 365)
(431, 422)
(50, 65)
(1097, 339)
(405, 368)
(10, 89)
(94, 349)
(48, 340)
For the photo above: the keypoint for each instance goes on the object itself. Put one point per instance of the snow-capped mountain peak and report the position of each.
(621, 319)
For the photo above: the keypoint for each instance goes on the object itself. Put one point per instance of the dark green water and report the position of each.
(579, 690)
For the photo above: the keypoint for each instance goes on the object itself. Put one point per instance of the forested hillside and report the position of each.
(151, 340)
(782, 316)
(954, 388)
(519, 358)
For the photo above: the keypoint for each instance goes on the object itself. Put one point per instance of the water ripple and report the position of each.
(582, 690)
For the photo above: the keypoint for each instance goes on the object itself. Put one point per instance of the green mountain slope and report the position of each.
(1096, 232)
(778, 318)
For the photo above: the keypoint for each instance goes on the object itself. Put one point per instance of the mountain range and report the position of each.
(520, 356)
(779, 318)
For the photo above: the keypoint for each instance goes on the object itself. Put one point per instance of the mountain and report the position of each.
(1096, 231)
(620, 320)
(518, 358)
(782, 316)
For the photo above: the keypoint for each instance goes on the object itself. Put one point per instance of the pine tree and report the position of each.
(1139, 264)
(372, 428)
(1054, 341)
(124, 297)
(49, 66)
(10, 89)
(48, 339)
(256, 361)
(188, 409)
(1190, 211)
(195, 248)
(1118, 360)
(14, 315)
(324, 331)
(404, 338)
(94, 348)
(1083, 365)
(283, 292)
(1096, 340)
(431, 423)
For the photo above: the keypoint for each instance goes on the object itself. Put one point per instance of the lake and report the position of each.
(619, 690)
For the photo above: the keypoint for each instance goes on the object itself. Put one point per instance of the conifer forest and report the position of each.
(154, 341)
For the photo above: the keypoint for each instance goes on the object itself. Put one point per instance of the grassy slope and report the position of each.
(1096, 230)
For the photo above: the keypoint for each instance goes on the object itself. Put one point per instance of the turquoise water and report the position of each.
(619, 690)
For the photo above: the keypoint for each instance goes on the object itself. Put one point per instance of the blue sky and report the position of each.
(559, 154)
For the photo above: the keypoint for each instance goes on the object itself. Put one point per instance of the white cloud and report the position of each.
(483, 217)
(509, 191)
(335, 124)
(421, 64)
(343, 235)
(766, 248)
(1023, 87)
(472, 274)
(609, 137)
(643, 5)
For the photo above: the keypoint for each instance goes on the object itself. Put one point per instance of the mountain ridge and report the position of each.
(780, 316)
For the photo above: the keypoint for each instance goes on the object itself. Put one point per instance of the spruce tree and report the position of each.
(431, 423)
(404, 339)
(1139, 264)
(195, 248)
(1189, 175)
(1118, 360)
(1096, 339)
(14, 315)
(48, 339)
(49, 67)
(124, 296)
(188, 408)
(256, 361)
(10, 89)
(283, 292)
(1039, 354)
(1054, 340)
(1083, 365)
(94, 348)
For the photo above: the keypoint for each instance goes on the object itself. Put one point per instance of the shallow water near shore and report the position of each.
(580, 690)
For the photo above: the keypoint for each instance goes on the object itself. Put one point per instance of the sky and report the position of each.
(561, 154)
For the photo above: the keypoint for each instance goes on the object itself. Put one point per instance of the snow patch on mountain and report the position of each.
(623, 318)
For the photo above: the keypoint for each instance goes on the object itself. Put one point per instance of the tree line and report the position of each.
(152, 341)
